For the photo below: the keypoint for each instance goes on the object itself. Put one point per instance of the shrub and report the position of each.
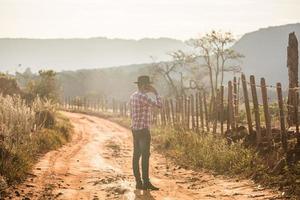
(207, 151)
(24, 134)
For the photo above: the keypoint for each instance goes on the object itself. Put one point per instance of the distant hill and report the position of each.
(72, 54)
(265, 52)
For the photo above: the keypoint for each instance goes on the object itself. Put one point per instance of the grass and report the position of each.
(15, 164)
(22, 139)
(203, 151)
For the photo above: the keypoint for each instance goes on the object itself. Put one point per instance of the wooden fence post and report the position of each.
(266, 110)
(282, 118)
(201, 111)
(206, 112)
(192, 111)
(188, 112)
(172, 113)
(163, 115)
(297, 118)
(222, 109)
(197, 112)
(256, 110)
(235, 101)
(231, 117)
(215, 114)
(247, 105)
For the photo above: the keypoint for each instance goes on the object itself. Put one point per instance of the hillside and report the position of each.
(73, 54)
(265, 52)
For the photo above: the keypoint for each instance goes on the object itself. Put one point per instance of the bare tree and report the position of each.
(169, 70)
(213, 52)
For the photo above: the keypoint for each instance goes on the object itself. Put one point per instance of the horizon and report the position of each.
(143, 38)
(66, 19)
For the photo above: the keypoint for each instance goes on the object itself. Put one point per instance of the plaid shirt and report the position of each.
(140, 105)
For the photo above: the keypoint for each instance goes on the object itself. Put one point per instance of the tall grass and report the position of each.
(204, 150)
(23, 136)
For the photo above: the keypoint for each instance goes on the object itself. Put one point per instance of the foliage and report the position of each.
(171, 73)
(213, 52)
(8, 85)
(204, 151)
(45, 85)
(21, 140)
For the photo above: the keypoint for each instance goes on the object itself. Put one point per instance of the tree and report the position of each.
(170, 72)
(213, 52)
(45, 85)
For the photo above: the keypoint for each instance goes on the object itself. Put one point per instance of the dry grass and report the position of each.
(22, 139)
(203, 151)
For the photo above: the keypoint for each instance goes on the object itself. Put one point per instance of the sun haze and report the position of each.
(136, 19)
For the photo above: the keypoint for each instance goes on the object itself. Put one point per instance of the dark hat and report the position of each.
(143, 80)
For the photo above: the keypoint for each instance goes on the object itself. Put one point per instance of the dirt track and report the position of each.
(96, 164)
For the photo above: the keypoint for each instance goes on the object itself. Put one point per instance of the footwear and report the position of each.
(149, 186)
(139, 185)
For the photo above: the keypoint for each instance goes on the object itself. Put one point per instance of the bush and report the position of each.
(8, 85)
(205, 151)
(24, 134)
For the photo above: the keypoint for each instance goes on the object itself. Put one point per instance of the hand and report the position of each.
(152, 89)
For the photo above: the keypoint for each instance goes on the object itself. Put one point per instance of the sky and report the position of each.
(136, 19)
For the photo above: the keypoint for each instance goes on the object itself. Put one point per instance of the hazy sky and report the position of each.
(136, 19)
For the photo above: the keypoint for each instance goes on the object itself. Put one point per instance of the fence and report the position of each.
(231, 113)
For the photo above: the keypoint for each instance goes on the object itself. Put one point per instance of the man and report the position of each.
(140, 105)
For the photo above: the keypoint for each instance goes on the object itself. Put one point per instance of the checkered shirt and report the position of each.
(140, 106)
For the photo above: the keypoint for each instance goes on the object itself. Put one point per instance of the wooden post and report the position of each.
(215, 114)
(222, 109)
(256, 110)
(172, 112)
(238, 97)
(231, 117)
(247, 105)
(163, 115)
(188, 113)
(292, 64)
(235, 101)
(296, 118)
(206, 112)
(197, 112)
(266, 110)
(182, 111)
(167, 111)
(282, 118)
(201, 111)
(192, 111)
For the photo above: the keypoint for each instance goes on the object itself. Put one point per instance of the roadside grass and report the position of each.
(203, 151)
(26, 132)
(16, 164)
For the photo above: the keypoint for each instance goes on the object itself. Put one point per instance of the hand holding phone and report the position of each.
(152, 89)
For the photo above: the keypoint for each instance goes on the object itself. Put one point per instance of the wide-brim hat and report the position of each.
(143, 80)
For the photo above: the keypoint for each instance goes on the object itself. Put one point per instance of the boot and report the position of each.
(139, 185)
(149, 186)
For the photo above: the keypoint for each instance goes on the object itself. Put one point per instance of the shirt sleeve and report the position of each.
(129, 105)
(145, 100)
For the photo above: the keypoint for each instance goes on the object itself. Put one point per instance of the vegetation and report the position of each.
(29, 127)
(44, 85)
(204, 150)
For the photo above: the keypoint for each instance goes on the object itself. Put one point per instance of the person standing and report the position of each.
(140, 107)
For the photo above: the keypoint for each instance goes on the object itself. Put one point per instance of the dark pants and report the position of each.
(141, 148)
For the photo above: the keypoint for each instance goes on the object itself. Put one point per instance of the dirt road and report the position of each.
(96, 164)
